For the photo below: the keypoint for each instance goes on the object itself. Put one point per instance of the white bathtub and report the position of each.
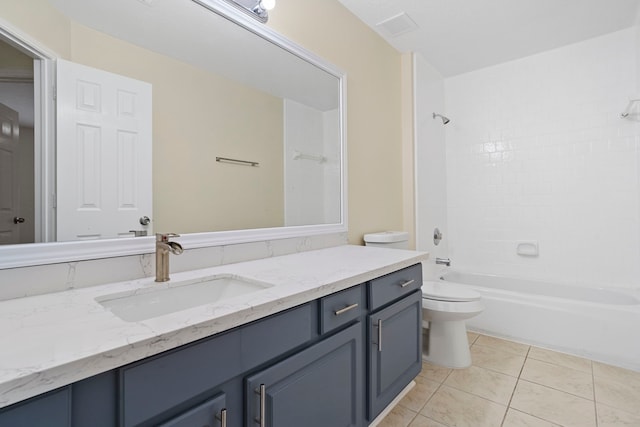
(598, 324)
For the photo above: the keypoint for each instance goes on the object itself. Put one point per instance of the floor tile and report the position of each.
(496, 360)
(504, 345)
(434, 372)
(553, 405)
(398, 417)
(614, 373)
(472, 337)
(621, 395)
(419, 394)
(460, 409)
(422, 421)
(554, 389)
(520, 419)
(559, 377)
(612, 417)
(561, 359)
(483, 382)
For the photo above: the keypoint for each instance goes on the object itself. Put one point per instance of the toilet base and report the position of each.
(446, 344)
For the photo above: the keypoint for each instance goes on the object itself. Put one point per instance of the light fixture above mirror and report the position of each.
(258, 9)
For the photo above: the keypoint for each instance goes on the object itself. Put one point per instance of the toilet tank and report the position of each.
(388, 239)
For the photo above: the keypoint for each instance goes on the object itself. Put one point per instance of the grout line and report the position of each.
(431, 397)
(595, 403)
(516, 386)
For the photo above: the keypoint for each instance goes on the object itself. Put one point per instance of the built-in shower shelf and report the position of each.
(632, 112)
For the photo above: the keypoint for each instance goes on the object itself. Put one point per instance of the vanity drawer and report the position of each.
(392, 286)
(341, 308)
(178, 378)
(209, 413)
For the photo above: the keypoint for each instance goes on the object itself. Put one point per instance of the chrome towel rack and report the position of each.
(237, 162)
(297, 155)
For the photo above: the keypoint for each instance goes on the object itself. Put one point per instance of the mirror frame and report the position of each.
(32, 254)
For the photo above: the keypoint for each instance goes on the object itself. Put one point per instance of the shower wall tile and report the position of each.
(536, 150)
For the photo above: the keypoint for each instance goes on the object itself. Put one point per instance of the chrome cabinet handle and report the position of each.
(379, 335)
(223, 418)
(18, 220)
(345, 309)
(407, 283)
(262, 392)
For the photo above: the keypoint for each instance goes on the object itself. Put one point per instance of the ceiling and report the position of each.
(457, 36)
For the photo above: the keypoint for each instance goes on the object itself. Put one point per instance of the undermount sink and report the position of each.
(171, 297)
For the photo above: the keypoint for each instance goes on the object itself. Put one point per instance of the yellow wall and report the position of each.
(374, 124)
(40, 21)
(408, 150)
(198, 116)
(12, 58)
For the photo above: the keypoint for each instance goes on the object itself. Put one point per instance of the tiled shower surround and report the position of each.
(537, 151)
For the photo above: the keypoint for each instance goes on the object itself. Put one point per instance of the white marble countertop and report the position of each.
(52, 340)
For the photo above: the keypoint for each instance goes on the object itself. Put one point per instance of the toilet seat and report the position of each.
(443, 291)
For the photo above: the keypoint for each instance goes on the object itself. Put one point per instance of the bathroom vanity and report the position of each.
(332, 343)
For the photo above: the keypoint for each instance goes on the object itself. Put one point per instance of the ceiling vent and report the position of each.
(397, 25)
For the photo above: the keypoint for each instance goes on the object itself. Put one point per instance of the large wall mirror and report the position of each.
(169, 116)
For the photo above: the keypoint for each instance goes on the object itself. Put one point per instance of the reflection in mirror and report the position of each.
(16, 146)
(213, 89)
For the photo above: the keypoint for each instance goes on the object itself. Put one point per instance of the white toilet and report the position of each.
(445, 307)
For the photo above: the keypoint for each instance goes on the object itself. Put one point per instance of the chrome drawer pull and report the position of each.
(345, 309)
(407, 283)
(223, 418)
(262, 392)
(379, 334)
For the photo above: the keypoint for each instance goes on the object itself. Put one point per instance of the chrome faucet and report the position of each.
(443, 261)
(163, 247)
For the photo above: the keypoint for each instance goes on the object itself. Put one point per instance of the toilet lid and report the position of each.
(443, 291)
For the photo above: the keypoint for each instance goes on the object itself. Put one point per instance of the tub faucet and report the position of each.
(443, 261)
(163, 247)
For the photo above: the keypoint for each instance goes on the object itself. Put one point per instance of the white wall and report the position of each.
(431, 188)
(312, 187)
(536, 150)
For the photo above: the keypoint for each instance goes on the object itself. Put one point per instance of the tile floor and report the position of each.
(516, 385)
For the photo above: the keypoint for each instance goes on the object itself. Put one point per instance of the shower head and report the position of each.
(445, 120)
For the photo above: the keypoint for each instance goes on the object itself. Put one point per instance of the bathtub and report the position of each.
(599, 324)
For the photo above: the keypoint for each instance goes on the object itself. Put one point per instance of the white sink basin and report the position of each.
(171, 297)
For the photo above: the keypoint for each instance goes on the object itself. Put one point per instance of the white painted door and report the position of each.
(9, 186)
(104, 138)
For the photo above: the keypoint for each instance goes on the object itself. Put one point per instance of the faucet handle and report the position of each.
(164, 237)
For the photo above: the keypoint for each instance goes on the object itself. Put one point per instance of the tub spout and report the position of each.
(443, 261)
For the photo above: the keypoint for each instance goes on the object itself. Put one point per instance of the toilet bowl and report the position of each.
(445, 307)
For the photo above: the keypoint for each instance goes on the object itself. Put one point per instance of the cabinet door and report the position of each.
(212, 413)
(50, 410)
(317, 387)
(395, 350)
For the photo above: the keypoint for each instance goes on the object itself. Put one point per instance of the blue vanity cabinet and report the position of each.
(395, 336)
(211, 413)
(333, 362)
(95, 401)
(52, 409)
(205, 377)
(320, 386)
